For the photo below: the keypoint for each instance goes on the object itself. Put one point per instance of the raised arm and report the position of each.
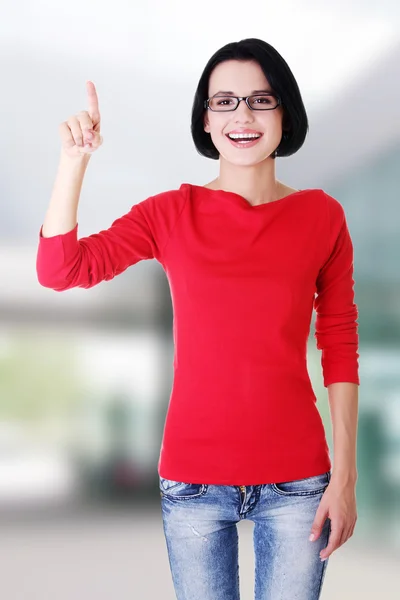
(80, 137)
(63, 261)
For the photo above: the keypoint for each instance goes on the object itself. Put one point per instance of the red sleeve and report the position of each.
(336, 326)
(64, 262)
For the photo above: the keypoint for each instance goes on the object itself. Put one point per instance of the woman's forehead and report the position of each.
(231, 75)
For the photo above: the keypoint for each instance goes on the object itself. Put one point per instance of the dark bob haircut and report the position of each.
(282, 81)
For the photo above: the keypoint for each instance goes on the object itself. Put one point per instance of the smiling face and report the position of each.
(242, 78)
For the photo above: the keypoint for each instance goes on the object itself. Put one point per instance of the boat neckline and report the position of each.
(243, 199)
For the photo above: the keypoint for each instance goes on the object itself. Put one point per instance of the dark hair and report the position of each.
(280, 77)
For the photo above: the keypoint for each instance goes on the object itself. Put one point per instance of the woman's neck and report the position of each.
(279, 190)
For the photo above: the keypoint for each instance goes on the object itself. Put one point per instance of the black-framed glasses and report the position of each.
(256, 102)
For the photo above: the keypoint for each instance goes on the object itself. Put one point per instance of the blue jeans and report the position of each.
(199, 522)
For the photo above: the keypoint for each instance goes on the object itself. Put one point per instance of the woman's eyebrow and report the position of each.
(253, 92)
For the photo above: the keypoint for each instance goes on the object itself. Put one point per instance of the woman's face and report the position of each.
(242, 78)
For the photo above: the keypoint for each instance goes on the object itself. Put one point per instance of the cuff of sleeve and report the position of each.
(342, 378)
(73, 234)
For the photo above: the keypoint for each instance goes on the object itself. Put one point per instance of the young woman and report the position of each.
(247, 258)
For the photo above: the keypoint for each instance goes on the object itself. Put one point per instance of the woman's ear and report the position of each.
(206, 124)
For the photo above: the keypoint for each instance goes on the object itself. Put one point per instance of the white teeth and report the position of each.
(234, 136)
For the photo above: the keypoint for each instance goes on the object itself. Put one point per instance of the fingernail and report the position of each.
(322, 559)
(311, 538)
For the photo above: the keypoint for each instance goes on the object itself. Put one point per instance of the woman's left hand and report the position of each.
(339, 504)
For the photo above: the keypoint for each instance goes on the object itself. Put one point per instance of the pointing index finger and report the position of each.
(93, 103)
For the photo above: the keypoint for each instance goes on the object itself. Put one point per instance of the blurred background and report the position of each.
(85, 375)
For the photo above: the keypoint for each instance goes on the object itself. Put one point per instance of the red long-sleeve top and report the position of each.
(244, 281)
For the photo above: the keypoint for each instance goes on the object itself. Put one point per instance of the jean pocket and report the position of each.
(179, 490)
(310, 486)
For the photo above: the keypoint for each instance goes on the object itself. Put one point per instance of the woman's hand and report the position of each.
(339, 504)
(80, 134)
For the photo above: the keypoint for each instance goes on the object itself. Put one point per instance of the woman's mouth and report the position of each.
(245, 141)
